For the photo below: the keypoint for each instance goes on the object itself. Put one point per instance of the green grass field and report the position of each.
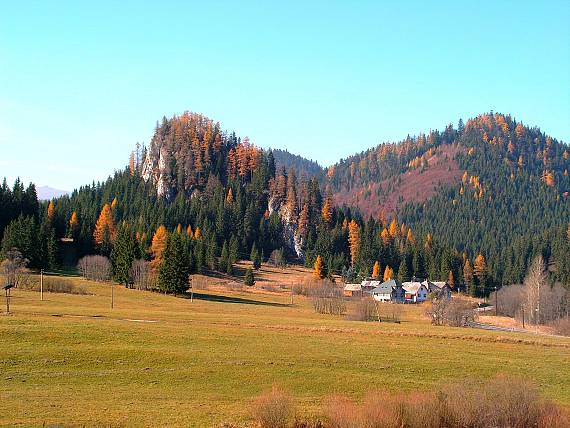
(157, 360)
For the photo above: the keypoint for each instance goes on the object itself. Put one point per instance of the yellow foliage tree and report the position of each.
(179, 228)
(157, 247)
(393, 230)
(73, 222)
(388, 273)
(327, 211)
(376, 270)
(230, 197)
(50, 210)
(480, 267)
(353, 240)
(318, 268)
(410, 237)
(197, 233)
(385, 235)
(114, 203)
(104, 228)
(189, 231)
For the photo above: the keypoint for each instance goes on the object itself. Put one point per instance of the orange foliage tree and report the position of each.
(157, 246)
(318, 271)
(104, 233)
(353, 240)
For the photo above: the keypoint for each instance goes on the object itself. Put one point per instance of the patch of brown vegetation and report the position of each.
(415, 185)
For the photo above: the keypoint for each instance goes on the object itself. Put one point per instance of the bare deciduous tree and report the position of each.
(14, 269)
(143, 276)
(96, 268)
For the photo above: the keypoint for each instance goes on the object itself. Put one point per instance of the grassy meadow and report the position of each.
(157, 360)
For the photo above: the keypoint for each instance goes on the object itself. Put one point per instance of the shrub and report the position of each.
(57, 285)
(273, 409)
(562, 327)
(143, 276)
(452, 312)
(248, 279)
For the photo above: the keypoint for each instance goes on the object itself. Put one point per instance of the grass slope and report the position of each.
(156, 360)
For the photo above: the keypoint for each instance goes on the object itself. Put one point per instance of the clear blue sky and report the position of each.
(82, 82)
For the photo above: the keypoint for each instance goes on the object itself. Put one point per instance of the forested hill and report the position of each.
(472, 205)
(492, 186)
(301, 166)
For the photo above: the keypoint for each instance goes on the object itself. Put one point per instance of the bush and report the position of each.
(57, 285)
(363, 310)
(502, 402)
(562, 327)
(96, 268)
(273, 409)
(143, 276)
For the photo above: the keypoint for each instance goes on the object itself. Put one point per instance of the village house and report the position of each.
(368, 285)
(440, 289)
(414, 292)
(352, 290)
(388, 291)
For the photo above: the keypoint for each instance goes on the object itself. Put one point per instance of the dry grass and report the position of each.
(273, 409)
(159, 360)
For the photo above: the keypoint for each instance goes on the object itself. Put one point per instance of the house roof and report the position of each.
(386, 287)
(352, 287)
(370, 283)
(412, 287)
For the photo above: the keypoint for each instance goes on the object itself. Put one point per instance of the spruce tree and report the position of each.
(123, 254)
(173, 272)
(255, 258)
(249, 279)
(225, 263)
(403, 272)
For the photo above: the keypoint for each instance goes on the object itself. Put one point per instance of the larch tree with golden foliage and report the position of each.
(73, 225)
(50, 210)
(393, 230)
(327, 211)
(318, 271)
(157, 247)
(480, 270)
(388, 273)
(353, 240)
(376, 270)
(104, 233)
(197, 233)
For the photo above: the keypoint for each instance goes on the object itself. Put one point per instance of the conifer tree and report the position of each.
(254, 257)
(249, 279)
(403, 272)
(480, 270)
(197, 233)
(326, 211)
(388, 273)
(173, 272)
(104, 233)
(376, 270)
(318, 268)
(157, 247)
(234, 250)
(468, 276)
(225, 263)
(123, 254)
(353, 240)
(50, 210)
(73, 225)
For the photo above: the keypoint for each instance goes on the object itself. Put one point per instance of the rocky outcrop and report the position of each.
(291, 236)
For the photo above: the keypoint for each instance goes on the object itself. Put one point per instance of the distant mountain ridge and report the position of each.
(46, 193)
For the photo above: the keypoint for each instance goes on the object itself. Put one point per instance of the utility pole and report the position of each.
(112, 295)
(191, 290)
(42, 285)
(496, 301)
(291, 294)
(523, 315)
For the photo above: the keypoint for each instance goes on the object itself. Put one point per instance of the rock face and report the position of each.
(154, 170)
(291, 236)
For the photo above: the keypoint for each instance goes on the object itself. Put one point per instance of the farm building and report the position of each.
(368, 285)
(352, 290)
(414, 292)
(438, 288)
(389, 291)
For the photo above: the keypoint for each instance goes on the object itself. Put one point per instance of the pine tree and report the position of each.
(123, 254)
(157, 247)
(318, 268)
(254, 257)
(234, 250)
(468, 276)
(376, 270)
(225, 263)
(403, 272)
(173, 272)
(248, 278)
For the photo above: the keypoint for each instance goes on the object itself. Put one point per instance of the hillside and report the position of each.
(301, 166)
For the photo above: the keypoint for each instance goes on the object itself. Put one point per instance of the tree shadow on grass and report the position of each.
(230, 299)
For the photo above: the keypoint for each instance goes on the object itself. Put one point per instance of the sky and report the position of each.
(82, 82)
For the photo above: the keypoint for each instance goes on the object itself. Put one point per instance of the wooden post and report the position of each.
(523, 315)
(191, 290)
(42, 285)
(496, 301)
(7, 302)
(112, 295)
(291, 294)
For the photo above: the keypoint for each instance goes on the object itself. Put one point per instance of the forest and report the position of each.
(197, 199)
